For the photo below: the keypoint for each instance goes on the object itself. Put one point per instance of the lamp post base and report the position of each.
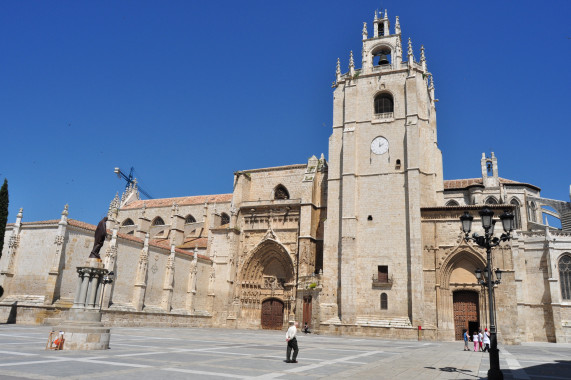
(495, 374)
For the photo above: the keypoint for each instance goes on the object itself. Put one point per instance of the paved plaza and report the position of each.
(193, 353)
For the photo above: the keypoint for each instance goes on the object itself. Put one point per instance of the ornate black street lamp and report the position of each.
(488, 241)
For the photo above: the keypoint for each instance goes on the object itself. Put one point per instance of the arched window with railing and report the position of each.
(280, 192)
(189, 219)
(384, 105)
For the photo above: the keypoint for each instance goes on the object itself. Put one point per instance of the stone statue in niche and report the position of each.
(100, 235)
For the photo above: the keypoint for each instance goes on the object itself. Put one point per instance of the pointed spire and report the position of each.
(20, 212)
(338, 71)
(409, 46)
(351, 65)
(64, 214)
(397, 26)
(376, 17)
(422, 58)
(365, 34)
(386, 16)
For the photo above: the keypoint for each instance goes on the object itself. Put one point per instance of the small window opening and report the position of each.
(189, 219)
(370, 217)
(397, 165)
(384, 301)
(490, 168)
(452, 202)
(224, 219)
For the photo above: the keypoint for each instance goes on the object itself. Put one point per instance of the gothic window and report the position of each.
(532, 211)
(189, 219)
(158, 221)
(452, 202)
(517, 216)
(491, 201)
(383, 274)
(281, 192)
(224, 219)
(384, 301)
(128, 222)
(565, 276)
(383, 103)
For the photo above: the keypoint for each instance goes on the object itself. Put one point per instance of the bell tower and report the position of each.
(384, 165)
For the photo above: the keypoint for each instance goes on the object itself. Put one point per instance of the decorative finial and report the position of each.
(409, 48)
(422, 57)
(376, 17)
(338, 70)
(20, 213)
(397, 26)
(65, 210)
(351, 61)
(365, 34)
(431, 82)
(386, 13)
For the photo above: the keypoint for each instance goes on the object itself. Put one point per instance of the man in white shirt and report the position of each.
(291, 342)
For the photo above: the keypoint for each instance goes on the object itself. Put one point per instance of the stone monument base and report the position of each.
(83, 330)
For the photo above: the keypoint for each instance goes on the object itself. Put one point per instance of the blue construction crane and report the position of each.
(130, 180)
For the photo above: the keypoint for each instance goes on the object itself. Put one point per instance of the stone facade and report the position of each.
(368, 243)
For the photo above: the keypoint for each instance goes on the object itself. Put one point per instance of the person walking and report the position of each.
(480, 339)
(475, 340)
(486, 340)
(291, 342)
(465, 336)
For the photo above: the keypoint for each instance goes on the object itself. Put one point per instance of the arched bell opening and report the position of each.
(382, 56)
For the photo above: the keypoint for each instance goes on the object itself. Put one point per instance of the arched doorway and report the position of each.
(466, 312)
(272, 314)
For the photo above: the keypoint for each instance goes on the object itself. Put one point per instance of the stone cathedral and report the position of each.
(368, 242)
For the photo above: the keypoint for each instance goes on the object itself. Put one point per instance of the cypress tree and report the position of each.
(3, 212)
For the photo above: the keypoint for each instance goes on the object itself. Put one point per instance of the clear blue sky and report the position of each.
(188, 92)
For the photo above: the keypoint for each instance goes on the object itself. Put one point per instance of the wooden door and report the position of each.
(306, 311)
(272, 314)
(466, 314)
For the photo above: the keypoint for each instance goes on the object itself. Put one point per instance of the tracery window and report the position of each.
(491, 201)
(565, 276)
(384, 301)
(224, 219)
(532, 211)
(128, 222)
(517, 216)
(281, 192)
(384, 103)
(452, 202)
(158, 221)
(189, 219)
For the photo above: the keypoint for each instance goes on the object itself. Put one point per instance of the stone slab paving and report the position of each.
(193, 353)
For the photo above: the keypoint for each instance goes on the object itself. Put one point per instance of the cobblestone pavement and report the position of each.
(192, 353)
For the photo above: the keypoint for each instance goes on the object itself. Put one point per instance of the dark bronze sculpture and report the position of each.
(100, 234)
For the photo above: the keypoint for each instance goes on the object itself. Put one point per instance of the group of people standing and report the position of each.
(481, 340)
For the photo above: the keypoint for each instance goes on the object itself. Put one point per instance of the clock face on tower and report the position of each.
(379, 145)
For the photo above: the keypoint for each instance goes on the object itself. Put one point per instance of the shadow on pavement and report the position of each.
(454, 369)
(561, 369)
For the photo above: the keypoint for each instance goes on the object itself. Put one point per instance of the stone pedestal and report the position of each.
(83, 330)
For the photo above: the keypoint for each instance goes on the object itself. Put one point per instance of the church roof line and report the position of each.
(450, 184)
(181, 201)
(274, 168)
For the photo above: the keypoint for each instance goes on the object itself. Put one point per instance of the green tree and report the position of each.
(3, 212)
